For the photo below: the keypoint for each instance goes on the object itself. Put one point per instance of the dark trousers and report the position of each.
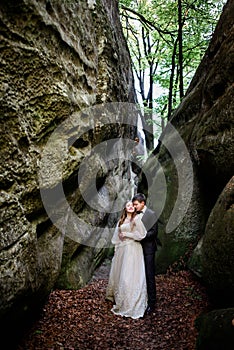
(150, 278)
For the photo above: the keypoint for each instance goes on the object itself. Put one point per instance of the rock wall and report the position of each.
(205, 121)
(217, 258)
(204, 240)
(57, 58)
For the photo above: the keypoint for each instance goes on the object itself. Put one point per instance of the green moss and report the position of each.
(173, 252)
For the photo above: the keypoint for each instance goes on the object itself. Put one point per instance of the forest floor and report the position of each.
(82, 319)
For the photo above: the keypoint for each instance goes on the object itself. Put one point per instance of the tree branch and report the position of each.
(147, 22)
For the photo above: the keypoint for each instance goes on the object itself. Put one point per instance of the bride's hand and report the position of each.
(121, 236)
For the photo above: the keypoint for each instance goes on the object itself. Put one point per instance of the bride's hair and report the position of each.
(124, 215)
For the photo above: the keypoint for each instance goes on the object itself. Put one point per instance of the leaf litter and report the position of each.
(82, 319)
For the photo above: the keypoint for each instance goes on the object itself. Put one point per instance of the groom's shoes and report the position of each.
(149, 310)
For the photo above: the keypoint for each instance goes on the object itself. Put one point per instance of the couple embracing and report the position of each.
(131, 285)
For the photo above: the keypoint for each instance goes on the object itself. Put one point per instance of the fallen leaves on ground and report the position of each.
(82, 319)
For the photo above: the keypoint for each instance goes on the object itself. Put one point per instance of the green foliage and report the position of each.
(151, 30)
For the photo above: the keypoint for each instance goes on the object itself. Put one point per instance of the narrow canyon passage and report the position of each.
(70, 131)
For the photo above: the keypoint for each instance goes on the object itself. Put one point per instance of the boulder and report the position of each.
(217, 256)
(216, 330)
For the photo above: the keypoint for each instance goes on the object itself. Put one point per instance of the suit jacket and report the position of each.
(149, 243)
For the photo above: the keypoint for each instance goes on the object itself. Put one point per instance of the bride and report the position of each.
(127, 281)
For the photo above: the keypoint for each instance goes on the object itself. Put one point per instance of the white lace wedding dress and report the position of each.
(127, 282)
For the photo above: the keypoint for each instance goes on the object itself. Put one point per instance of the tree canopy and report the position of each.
(167, 40)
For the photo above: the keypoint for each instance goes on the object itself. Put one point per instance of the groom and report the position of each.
(149, 245)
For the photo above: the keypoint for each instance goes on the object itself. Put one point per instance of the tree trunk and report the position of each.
(180, 26)
(170, 95)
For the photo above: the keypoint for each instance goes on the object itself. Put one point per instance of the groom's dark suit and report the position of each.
(149, 245)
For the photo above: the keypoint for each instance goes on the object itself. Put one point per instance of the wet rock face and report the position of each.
(205, 121)
(57, 58)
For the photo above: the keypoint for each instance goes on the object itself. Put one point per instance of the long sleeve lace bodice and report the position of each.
(134, 230)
